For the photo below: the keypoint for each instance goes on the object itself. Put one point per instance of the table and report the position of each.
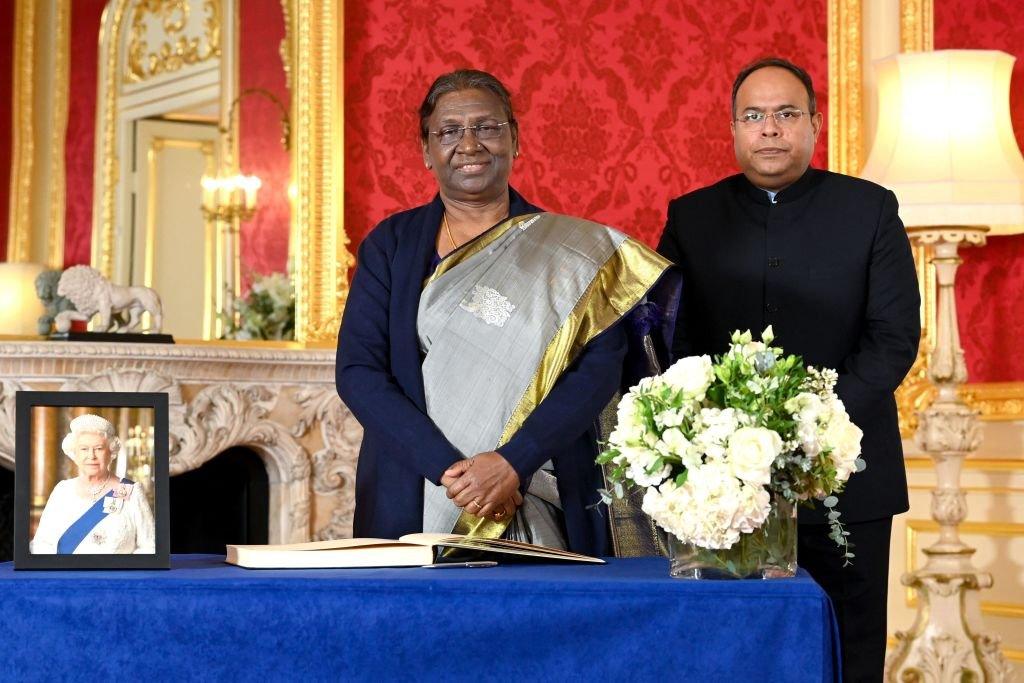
(205, 620)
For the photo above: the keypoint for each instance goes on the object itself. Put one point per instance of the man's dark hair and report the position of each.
(465, 79)
(780, 63)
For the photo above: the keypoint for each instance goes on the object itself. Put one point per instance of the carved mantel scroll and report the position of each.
(280, 403)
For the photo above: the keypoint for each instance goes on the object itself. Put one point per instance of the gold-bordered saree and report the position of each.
(499, 321)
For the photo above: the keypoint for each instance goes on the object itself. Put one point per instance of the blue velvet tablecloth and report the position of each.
(205, 620)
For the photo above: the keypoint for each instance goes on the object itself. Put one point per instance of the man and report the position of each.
(824, 259)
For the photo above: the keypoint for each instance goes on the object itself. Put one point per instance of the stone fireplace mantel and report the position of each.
(280, 403)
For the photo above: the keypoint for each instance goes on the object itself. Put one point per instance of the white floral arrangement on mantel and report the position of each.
(716, 443)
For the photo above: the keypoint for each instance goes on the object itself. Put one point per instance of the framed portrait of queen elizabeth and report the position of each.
(91, 480)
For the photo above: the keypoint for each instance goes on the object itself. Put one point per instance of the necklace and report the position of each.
(448, 231)
(94, 493)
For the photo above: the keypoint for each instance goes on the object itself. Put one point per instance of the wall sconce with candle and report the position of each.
(227, 197)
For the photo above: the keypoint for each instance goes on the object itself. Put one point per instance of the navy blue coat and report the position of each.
(829, 266)
(379, 378)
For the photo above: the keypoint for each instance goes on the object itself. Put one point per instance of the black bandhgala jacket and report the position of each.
(829, 266)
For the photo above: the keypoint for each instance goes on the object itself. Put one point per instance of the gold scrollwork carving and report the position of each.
(179, 50)
(321, 257)
(996, 400)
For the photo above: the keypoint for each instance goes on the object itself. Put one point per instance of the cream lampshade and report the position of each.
(20, 308)
(945, 143)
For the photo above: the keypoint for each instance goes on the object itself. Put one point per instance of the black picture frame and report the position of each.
(25, 402)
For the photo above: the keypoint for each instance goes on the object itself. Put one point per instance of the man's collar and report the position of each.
(783, 196)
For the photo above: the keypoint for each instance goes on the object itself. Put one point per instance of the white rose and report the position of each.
(693, 375)
(844, 438)
(751, 452)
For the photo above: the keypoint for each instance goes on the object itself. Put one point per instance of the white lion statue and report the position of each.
(92, 294)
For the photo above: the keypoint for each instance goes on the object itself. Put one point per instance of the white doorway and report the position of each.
(173, 248)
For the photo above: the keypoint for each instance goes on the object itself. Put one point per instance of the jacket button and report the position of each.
(771, 308)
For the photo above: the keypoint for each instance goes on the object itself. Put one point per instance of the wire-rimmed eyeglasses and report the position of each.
(450, 135)
(784, 118)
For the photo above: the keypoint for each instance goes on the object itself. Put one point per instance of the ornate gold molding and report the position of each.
(19, 231)
(321, 258)
(845, 83)
(109, 168)
(917, 19)
(59, 126)
(178, 51)
(996, 400)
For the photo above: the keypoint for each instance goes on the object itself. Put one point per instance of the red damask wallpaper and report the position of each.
(6, 77)
(622, 105)
(79, 149)
(264, 244)
(990, 283)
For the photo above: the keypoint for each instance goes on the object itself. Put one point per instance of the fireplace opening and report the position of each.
(227, 500)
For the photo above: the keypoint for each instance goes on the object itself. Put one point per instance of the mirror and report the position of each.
(83, 161)
(187, 89)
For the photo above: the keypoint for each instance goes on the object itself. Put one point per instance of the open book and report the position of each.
(412, 550)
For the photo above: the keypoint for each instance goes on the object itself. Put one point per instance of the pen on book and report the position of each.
(483, 563)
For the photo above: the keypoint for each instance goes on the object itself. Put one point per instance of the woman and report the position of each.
(481, 340)
(94, 513)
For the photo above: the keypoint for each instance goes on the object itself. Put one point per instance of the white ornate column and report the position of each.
(945, 643)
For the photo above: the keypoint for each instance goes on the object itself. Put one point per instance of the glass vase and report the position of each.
(767, 553)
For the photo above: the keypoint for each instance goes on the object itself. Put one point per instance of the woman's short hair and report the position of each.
(465, 79)
(90, 424)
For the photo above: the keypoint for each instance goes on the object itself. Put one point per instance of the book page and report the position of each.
(337, 544)
(497, 545)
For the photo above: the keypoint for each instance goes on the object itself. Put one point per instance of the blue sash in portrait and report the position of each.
(77, 532)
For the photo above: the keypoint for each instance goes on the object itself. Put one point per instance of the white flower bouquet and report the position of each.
(726, 449)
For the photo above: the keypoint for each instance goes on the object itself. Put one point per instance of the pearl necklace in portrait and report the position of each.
(94, 493)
